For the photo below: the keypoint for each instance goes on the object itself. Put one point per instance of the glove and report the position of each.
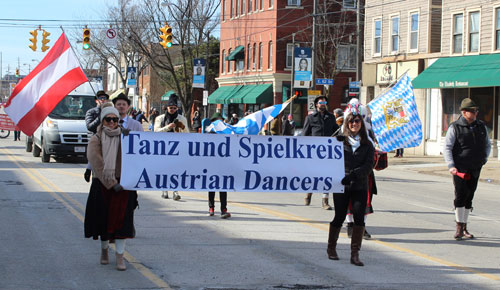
(346, 180)
(125, 131)
(340, 138)
(117, 187)
(87, 174)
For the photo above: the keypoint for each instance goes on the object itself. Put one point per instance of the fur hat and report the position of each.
(467, 104)
(109, 110)
(172, 100)
(121, 96)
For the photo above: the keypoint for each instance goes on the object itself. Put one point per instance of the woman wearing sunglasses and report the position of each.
(358, 160)
(109, 214)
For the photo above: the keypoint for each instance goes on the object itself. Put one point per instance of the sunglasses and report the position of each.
(109, 119)
(357, 121)
(171, 108)
(102, 98)
(322, 102)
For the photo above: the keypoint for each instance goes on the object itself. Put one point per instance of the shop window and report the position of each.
(474, 32)
(458, 31)
(377, 37)
(414, 31)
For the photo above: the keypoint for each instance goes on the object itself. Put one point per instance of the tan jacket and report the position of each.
(94, 156)
(178, 129)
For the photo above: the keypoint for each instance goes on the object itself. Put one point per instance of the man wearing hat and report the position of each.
(92, 120)
(466, 150)
(122, 104)
(320, 123)
(171, 121)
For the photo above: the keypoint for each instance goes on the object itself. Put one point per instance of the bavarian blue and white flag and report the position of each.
(251, 124)
(395, 119)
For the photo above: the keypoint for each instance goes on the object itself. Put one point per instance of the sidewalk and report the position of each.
(435, 165)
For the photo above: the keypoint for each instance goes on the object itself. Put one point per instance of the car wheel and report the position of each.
(29, 144)
(45, 156)
(36, 151)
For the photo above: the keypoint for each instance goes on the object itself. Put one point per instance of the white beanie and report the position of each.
(109, 110)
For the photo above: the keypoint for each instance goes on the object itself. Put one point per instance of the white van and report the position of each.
(64, 133)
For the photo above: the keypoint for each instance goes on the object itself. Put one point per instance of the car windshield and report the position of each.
(73, 107)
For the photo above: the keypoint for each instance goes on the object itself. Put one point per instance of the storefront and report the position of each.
(447, 82)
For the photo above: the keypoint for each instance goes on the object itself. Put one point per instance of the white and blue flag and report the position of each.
(395, 120)
(251, 124)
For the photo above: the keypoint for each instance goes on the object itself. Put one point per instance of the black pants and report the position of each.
(358, 201)
(222, 197)
(17, 135)
(399, 152)
(464, 189)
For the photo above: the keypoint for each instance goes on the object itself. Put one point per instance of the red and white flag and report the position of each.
(39, 92)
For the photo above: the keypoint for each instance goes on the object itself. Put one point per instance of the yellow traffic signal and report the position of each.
(166, 36)
(33, 40)
(86, 38)
(45, 34)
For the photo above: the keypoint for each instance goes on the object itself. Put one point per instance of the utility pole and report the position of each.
(206, 72)
(293, 72)
(313, 49)
(358, 42)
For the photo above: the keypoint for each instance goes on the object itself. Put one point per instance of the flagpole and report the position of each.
(79, 62)
(390, 86)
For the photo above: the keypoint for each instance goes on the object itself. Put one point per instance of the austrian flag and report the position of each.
(35, 96)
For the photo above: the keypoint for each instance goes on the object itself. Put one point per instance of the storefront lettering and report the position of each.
(453, 84)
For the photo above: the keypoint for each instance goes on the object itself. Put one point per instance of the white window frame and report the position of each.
(261, 56)
(243, 7)
(270, 55)
(374, 53)
(224, 3)
(231, 10)
(237, 8)
(288, 45)
(254, 63)
(346, 6)
(249, 56)
(410, 15)
(452, 46)
(250, 6)
(229, 64)
(351, 66)
(391, 35)
(468, 46)
(223, 62)
(495, 29)
(271, 4)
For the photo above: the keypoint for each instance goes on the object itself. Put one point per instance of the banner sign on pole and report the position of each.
(131, 76)
(302, 70)
(199, 73)
(216, 162)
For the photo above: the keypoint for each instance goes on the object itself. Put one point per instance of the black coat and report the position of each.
(318, 124)
(358, 165)
(92, 119)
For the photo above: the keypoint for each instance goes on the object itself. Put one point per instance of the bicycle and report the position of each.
(4, 133)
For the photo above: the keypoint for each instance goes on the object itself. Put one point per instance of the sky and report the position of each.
(16, 23)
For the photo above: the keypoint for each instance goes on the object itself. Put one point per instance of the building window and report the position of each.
(243, 6)
(377, 37)
(232, 8)
(346, 57)
(270, 56)
(223, 61)
(241, 64)
(458, 31)
(249, 56)
(237, 10)
(474, 32)
(261, 4)
(289, 54)
(497, 29)
(414, 31)
(293, 3)
(256, 4)
(223, 10)
(349, 4)
(395, 34)
(229, 66)
(271, 3)
(260, 56)
(254, 56)
(249, 6)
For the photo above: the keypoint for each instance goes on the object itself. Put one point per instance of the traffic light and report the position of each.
(45, 34)
(166, 36)
(33, 40)
(17, 72)
(86, 39)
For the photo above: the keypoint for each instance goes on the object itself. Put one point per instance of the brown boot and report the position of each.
(466, 232)
(357, 238)
(104, 257)
(333, 236)
(307, 199)
(459, 234)
(120, 262)
(325, 204)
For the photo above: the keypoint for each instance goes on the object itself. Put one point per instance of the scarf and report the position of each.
(170, 118)
(354, 141)
(110, 143)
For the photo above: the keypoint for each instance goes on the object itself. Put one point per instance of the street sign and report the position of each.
(111, 39)
(311, 95)
(205, 97)
(314, 92)
(324, 82)
(355, 84)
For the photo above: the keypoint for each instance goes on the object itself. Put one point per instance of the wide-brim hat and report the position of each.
(173, 100)
(101, 93)
(121, 96)
(468, 103)
(316, 100)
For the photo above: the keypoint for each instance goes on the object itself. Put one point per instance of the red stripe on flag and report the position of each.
(57, 50)
(30, 122)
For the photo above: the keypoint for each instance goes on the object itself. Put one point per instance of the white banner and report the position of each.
(216, 162)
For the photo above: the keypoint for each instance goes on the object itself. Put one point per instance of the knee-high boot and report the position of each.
(333, 236)
(357, 238)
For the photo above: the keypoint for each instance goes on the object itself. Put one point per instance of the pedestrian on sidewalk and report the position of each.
(320, 123)
(109, 213)
(466, 150)
(358, 162)
(173, 122)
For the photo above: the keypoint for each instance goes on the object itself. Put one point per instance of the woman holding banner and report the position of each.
(109, 214)
(358, 159)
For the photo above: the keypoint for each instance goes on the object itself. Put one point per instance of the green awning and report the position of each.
(253, 94)
(237, 53)
(220, 95)
(461, 72)
(167, 95)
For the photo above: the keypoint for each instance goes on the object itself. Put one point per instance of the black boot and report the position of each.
(349, 229)
(333, 236)
(357, 238)
(307, 199)
(366, 235)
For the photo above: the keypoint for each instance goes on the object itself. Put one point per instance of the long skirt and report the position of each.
(109, 215)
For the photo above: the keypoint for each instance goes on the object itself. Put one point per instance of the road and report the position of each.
(272, 241)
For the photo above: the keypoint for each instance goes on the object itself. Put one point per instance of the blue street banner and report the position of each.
(199, 73)
(212, 162)
(302, 64)
(395, 119)
(131, 76)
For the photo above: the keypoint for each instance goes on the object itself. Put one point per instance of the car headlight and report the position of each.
(52, 124)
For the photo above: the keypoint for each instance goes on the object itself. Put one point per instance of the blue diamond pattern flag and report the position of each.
(251, 124)
(395, 120)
